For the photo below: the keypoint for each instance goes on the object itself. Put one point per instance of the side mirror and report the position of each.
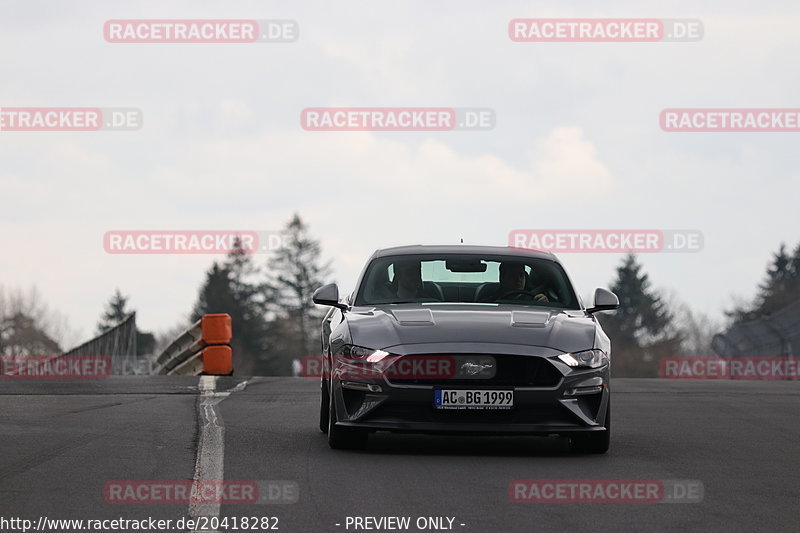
(328, 295)
(604, 300)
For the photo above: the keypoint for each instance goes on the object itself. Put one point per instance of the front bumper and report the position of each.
(576, 401)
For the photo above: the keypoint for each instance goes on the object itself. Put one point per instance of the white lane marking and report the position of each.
(239, 387)
(211, 442)
(207, 383)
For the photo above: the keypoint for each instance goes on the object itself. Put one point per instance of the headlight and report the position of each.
(352, 351)
(358, 362)
(585, 359)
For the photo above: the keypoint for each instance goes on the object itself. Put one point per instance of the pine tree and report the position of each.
(794, 273)
(230, 288)
(641, 330)
(641, 311)
(215, 295)
(776, 292)
(780, 288)
(115, 313)
(295, 272)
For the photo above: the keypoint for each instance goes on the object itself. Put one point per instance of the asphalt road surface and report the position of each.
(62, 443)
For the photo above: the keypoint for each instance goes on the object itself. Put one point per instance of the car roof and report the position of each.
(420, 249)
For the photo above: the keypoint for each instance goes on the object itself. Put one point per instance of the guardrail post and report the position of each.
(204, 348)
(217, 330)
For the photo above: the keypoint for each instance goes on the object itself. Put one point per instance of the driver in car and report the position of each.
(513, 279)
(408, 281)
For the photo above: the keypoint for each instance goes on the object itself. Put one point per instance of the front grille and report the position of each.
(512, 371)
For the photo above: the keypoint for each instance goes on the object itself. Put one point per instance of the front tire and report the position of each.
(343, 438)
(594, 441)
(324, 405)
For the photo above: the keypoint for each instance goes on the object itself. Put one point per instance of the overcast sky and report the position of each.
(577, 143)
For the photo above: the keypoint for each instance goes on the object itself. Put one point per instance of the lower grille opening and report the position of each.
(590, 404)
(540, 414)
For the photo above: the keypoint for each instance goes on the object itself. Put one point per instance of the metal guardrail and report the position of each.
(776, 335)
(204, 348)
(118, 343)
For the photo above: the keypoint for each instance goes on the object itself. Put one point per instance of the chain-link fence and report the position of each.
(775, 335)
(118, 343)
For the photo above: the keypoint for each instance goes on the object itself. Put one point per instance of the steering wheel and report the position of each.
(534, 292)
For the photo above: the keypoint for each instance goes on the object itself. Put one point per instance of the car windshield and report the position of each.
(466, 278)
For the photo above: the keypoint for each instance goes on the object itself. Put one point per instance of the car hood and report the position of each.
(384, 327)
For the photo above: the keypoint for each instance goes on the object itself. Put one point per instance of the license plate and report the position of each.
(473, 399)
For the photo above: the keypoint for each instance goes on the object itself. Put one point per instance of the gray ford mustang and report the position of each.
(465, 339)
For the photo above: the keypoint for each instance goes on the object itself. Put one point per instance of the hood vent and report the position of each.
(529, 319)
(413, 317)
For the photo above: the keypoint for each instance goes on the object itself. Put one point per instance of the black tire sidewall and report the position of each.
(324, 406)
